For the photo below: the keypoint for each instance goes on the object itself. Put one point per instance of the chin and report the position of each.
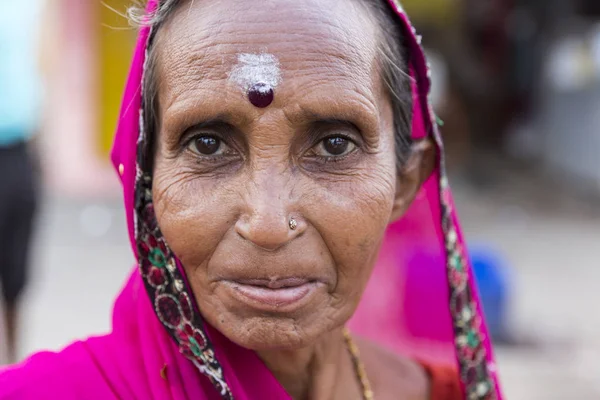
(273, 333)
(260, 330)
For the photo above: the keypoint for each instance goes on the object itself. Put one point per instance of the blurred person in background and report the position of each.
(589, 7)
(493, 53)
(272, 154)
(19, 121)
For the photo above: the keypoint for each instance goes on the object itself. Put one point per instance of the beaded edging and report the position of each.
(171, 297)
(469, 339)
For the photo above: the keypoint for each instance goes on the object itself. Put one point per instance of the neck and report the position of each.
(322, 370)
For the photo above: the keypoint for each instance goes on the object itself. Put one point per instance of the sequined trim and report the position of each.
(172, 299)
(469, 341)
(399, 7)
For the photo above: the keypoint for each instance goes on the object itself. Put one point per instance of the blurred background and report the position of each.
(517, 85)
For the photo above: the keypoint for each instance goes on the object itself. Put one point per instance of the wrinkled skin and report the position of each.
(226, 215)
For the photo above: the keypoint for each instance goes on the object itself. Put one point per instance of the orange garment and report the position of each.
(445, 382)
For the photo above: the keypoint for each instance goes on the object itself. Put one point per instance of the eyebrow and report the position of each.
(353, 110)
(184, 115)
(319, 120)
(341, 113)
(217, 122)
(185, 125)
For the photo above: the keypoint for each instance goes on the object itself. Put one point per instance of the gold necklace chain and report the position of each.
(359, 367)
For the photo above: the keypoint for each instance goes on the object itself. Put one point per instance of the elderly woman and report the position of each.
(266, 149)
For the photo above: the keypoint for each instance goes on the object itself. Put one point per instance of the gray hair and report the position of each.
(393, 66)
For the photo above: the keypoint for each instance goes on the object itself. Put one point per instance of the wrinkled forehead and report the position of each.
(206, 39)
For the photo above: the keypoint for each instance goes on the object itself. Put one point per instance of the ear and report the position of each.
(412, 175)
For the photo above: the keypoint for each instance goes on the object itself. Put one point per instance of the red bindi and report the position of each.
(261, 95)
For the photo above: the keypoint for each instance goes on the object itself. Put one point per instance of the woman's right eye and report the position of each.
(208, 146)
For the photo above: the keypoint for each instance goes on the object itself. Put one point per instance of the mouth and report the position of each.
(273, 295)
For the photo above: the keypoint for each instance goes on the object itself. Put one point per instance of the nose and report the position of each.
(269, 222)
(269, 232)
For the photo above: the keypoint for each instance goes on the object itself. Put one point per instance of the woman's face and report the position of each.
(229, 176)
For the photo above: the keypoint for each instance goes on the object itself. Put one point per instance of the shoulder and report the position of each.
(46, 375)
(391, 374)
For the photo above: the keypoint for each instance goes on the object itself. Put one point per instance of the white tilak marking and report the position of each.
(252, 69)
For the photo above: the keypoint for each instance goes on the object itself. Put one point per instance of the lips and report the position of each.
(274, 283)
(282, 295)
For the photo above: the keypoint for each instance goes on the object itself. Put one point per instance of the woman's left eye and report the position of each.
(334, 146)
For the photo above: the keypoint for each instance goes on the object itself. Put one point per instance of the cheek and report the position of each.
(192, 213)
(352, 216)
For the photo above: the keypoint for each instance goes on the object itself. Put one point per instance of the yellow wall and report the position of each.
(116, 40)
(432, 11)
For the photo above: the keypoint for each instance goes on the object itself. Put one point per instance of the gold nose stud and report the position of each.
(293, 224)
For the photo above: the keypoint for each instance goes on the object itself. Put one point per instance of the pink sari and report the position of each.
(421, 300)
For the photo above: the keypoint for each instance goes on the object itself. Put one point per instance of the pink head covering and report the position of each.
(421, 299)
